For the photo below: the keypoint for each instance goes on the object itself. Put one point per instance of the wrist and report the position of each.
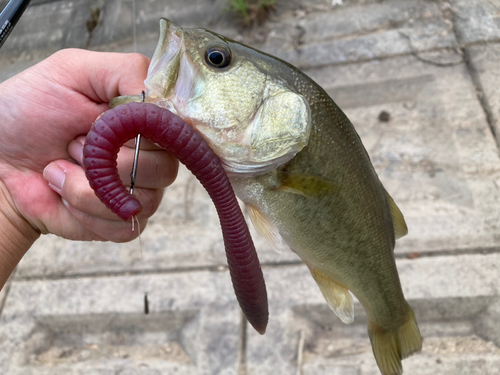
(16, 235)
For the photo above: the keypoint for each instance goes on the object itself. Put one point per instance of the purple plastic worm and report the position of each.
(124, 122)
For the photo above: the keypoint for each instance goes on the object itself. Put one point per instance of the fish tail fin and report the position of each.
(390, 347)
(410, 340)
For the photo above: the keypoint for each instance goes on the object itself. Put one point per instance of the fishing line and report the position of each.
(133, 26)
(143, 277)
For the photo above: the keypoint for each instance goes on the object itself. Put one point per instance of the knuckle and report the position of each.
(163, 167)
(172, 170)
(63, 56)
(125, 233)
(81, 198)
(138, 61)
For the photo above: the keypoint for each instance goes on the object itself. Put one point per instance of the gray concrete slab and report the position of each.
(454, 311)
(63, 24)
(485, 62)
(48, 25)
(98, 326)
(56, 24)
(476, 20)
(350, 18)
(353, 32)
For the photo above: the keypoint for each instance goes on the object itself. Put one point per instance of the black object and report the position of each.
(146, 303)
(384, 116)
(9, 17)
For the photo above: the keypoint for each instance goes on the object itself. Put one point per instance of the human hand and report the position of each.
(46, 112)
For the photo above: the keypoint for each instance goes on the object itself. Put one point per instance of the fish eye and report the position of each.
(218, 56)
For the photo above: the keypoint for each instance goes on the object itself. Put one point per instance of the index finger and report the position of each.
(101, 76)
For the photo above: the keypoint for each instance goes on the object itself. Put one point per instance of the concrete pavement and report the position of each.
(77, 308)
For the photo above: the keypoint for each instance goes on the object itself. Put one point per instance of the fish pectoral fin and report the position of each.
(337, 296)
(398, 220)
(390, 347)
(306, 185)
(266, 228)
(124, 99)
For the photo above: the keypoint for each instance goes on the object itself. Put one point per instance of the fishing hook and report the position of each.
(133, 175)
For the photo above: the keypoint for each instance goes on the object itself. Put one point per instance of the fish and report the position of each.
(297, 163)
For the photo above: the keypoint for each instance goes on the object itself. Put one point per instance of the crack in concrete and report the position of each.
(418, 54)
(375, 58)
(223, 268)
(478, 86)
(5, 290)
(474, 74)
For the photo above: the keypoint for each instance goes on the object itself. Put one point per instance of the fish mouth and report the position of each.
(165, 64)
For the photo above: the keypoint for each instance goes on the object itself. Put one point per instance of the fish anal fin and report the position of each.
(337, 296)
(398, 220)
(390, 347)
(266, 228)
(306, 185)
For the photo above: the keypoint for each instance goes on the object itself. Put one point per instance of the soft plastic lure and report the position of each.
(118, 125)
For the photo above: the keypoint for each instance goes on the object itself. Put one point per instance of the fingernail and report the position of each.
(55, 176)
(75, 149)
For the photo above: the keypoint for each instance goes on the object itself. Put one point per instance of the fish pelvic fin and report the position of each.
(306, 185)
(390, 347)
(398, 220)
(337, 296)
(266, 228)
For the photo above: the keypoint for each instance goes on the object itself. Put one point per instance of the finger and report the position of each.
(103, 75)
(156, 169)
(69, 181)
(146, 144)
(67, 222)
(111, 230)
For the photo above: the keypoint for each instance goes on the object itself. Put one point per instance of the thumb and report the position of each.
(101, 76)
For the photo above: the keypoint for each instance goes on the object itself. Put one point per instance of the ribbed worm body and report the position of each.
(118, 125)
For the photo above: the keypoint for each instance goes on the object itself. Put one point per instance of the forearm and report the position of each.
(16, 236)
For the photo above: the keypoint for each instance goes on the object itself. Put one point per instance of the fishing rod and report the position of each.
(9, 17)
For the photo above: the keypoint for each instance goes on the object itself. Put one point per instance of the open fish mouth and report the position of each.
(254, 123)
(164, 68)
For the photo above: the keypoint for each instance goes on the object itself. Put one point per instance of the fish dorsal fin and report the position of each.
(266, 228)
(306, 185)
(337, 296)
(398, 220)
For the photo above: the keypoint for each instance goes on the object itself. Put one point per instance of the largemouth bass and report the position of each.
(297, 163)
